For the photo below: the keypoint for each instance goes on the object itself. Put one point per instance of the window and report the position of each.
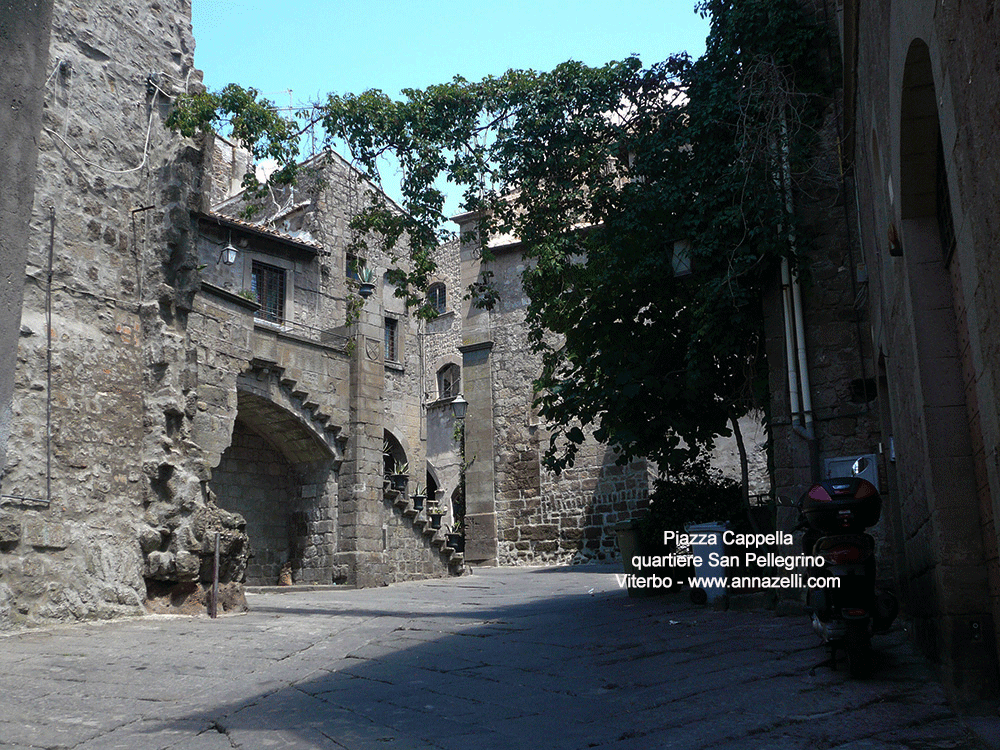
(268, 284)
(436, 298)
(392, 339)
(449, 381)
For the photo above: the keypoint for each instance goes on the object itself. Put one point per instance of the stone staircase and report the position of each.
(280, 386)
(422, 523)
(319, 417)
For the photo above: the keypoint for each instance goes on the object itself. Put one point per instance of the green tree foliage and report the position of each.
(604, 174)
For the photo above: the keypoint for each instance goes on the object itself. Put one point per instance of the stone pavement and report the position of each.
(504, 659)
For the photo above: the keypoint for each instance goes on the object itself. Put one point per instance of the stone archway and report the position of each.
(281, 477)
(942, 408)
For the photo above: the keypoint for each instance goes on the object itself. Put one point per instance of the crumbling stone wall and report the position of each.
(107, 487)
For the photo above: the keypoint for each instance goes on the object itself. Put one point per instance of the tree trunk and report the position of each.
(744, 469)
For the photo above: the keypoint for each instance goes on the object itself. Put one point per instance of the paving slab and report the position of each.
(516, 658)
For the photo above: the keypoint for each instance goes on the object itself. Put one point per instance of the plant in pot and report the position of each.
(366, 282)
(400, 476)
(435, 513)
(418, 498)
(456, 537)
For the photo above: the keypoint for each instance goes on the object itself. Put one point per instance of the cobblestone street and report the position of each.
(500, 660)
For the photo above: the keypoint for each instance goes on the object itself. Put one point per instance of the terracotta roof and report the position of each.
(262, 230)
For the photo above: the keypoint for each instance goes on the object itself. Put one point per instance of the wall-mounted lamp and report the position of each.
(459, 406)
(228, 255)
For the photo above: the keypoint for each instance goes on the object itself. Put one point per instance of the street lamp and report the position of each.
(228, 254)
(459, 406)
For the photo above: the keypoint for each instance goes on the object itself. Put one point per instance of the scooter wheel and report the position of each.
(858, 644)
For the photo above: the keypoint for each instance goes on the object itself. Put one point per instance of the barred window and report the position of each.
(392, 339)
(436, 298)
(268, 284)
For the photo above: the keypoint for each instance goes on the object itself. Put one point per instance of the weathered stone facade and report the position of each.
(157, 408)
(521, 513)
(103, 367)
(922, 133)
(24, 44)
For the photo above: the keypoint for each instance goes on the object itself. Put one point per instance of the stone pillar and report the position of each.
(360, 541)
(24, 48)
(480, 488)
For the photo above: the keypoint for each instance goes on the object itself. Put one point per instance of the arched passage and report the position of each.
(945, 399)
(279, 475)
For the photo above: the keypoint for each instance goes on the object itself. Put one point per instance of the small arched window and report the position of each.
(449, 381)
(436, 298)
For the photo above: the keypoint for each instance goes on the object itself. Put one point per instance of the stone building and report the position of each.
(921, 128)
(516, 511)
(186, 378)
(900, 344)
(326, 405)
(156, 408)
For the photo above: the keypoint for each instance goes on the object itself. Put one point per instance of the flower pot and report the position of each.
(418, 501)
(399, 481)
(436, 520)
(456, 542)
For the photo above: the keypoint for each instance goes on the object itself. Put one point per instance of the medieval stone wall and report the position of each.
(441, 340)
(542, 518)
(100, 465)
(925, 155)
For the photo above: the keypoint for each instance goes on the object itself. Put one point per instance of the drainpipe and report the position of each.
(799, 387)
(790, 358)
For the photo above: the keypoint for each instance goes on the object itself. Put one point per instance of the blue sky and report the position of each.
(317, 46)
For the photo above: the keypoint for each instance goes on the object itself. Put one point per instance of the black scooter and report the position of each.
(845, 604)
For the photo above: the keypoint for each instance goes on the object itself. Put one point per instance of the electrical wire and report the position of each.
(145, 151)
(52, 74)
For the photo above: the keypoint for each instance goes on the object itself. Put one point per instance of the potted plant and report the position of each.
(418, 498)
(366, 282)
(456, 537)
(400, 476)
(435, 513)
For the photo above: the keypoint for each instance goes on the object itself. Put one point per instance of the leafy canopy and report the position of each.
(608, 176)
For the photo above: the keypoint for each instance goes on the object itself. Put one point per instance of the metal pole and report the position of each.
(214, 611)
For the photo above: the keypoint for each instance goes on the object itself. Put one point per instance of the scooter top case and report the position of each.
(841, 504)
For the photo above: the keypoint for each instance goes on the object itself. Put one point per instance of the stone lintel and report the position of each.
(476, 347)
